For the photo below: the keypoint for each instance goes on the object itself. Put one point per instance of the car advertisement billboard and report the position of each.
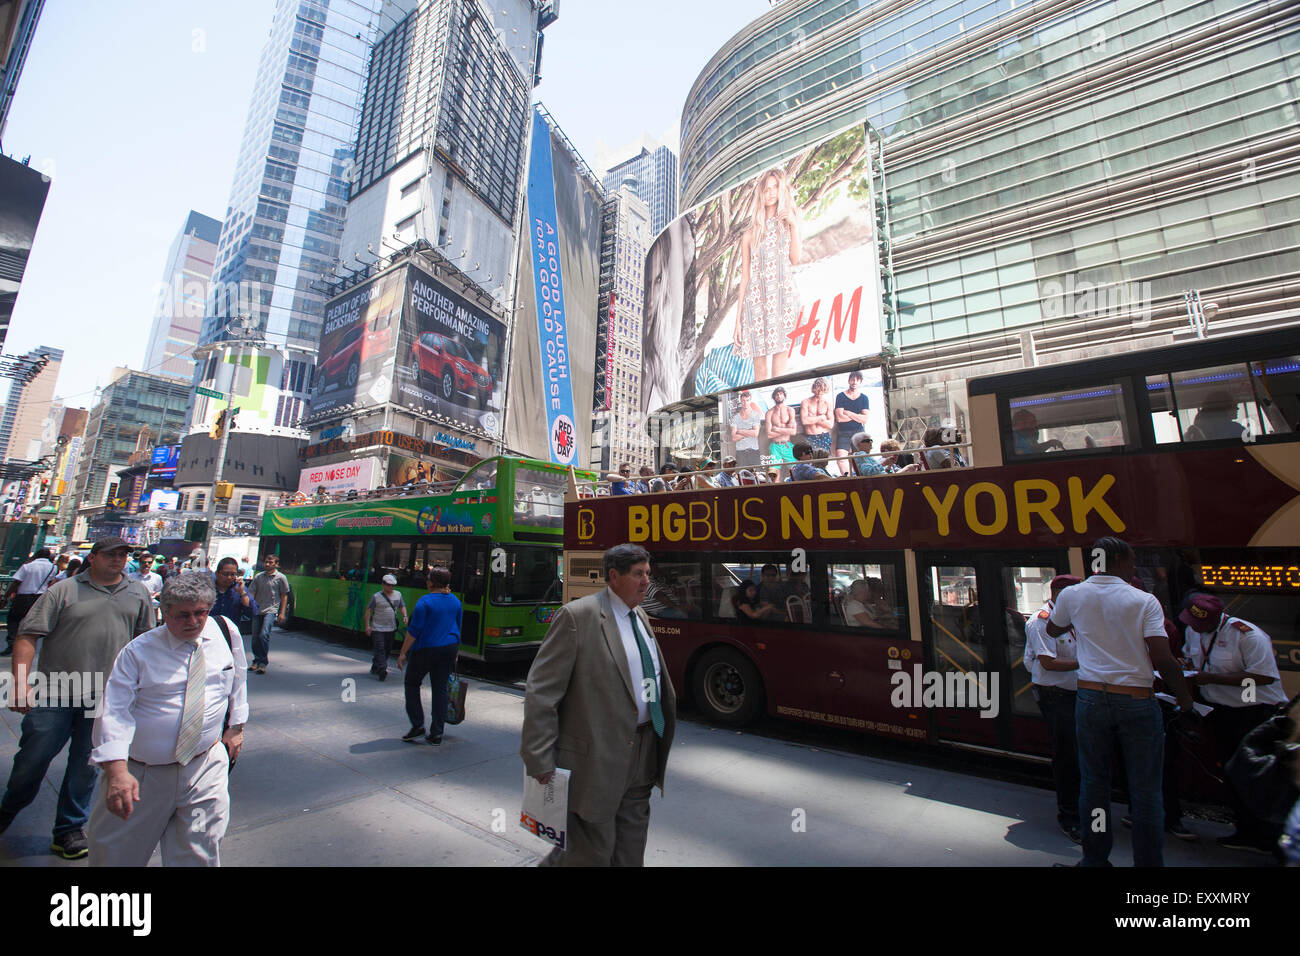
(760, 426)
(356, 346)
(449, 355)
(777, 275)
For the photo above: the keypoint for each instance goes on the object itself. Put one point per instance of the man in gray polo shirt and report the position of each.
(85, 620)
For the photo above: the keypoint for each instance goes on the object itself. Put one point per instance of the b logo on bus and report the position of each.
(586, 524)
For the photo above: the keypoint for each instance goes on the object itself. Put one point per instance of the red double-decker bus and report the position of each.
(878, 600)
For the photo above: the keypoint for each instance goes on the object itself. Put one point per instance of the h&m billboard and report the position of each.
(407, 337)
(777, 275)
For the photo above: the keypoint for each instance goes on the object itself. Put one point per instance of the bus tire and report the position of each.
(726, 687)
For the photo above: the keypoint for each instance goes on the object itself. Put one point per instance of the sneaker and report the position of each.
(1073, 834)
(1180, 831)
(1235, 841)
(71, 845)
(383, 675)
(260, 668)
(434, 740)
(414, 734)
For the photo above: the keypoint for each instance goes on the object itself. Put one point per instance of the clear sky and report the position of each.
(136, 112)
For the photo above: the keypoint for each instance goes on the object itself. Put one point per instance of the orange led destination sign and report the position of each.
(1252, 577)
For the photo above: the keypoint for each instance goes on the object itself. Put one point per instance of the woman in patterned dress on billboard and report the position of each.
(769, 301)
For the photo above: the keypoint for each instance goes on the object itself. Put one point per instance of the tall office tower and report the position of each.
(440, 151)
(282, 227)
(28, 407)
(627, 235)
(182, 297)
(17, 24)
(132, 401)
(654, 175)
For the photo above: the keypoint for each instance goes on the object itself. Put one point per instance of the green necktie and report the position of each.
(648, 673)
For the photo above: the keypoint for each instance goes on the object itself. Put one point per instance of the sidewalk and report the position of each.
(325, 780)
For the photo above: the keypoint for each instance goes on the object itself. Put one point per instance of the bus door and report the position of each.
(974, 607)
(471, 582)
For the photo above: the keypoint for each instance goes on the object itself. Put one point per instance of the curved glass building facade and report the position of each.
(1059, 173)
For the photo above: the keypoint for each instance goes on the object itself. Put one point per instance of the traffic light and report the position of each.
(218, 425)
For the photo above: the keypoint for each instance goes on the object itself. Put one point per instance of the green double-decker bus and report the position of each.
(499, 530)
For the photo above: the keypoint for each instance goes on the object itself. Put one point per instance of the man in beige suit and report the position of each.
(600, 704)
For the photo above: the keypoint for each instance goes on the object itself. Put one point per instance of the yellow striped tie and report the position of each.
(192, 714)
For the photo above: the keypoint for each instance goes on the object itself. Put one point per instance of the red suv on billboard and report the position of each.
(447, 365)
(355, 347)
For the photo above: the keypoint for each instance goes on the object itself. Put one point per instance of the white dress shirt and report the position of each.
(1038, 644)
(145, 695)
(1236, 645)
(621, 612)
(35, 576)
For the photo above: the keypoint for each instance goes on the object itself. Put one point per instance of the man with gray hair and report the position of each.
(165, 776)
(599, 703)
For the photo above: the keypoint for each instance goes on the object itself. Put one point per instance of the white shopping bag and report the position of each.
(546, 808)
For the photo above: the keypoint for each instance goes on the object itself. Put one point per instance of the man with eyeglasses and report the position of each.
(864, 466)
(85, 621)
(162, 740)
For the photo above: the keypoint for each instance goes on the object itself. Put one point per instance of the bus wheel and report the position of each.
(727, 688)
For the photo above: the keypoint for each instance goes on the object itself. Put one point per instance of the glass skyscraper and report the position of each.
(1058, 173)
(655, 174)
(287, 204)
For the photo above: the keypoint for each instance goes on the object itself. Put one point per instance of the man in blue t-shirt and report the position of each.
(850, 418)
(432, 642)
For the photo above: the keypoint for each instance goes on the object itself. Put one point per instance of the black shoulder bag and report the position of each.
(225, 725)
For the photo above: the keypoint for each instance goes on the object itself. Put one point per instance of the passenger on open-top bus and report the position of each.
(726, 478)
(805, 469)
(896, 461)
(618, 483)
(864, 466)
(667, 475)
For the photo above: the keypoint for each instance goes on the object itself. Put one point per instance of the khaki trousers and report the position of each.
(620, 841)
(186, 809)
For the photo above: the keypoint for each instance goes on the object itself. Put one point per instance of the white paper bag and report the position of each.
(546, 808)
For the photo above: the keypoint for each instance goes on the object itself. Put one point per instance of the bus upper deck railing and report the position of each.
(410, 489)
(709, 479)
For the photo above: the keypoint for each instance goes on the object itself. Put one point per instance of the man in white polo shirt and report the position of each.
(1120, 635)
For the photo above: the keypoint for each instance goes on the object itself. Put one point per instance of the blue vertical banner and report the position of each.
(548, 283)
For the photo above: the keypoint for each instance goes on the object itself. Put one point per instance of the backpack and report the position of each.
(1262, 769)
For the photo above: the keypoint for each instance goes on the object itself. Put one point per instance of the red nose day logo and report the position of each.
(563, 443)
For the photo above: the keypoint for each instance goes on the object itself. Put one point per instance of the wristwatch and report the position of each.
(237, 728)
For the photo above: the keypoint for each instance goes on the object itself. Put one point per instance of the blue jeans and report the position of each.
(262, 636)
(1100, 720)
(44, 732)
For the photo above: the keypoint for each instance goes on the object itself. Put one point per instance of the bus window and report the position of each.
(352, 560)
(1078, 419)
(955, 620)
(865, 597)
(539, 498)
(310, 557)
(674, 591)
(482, 476)
(531, 576)
(1206, 404)
(757, 591)
(1024, 592)
(394, 557)
(1277, 387)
